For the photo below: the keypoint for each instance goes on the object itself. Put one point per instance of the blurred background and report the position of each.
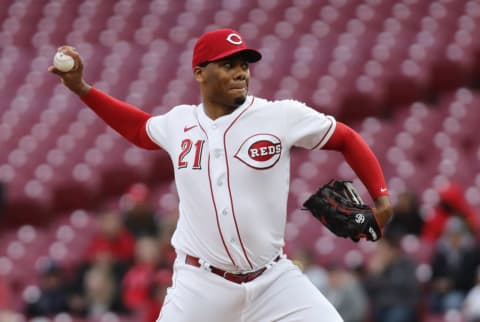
(85, 218)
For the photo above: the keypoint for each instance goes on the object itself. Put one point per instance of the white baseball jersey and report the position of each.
(232, 176)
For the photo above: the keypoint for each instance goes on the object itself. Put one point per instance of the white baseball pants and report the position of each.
(281, 294)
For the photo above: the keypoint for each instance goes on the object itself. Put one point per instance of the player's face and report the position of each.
(225, 82)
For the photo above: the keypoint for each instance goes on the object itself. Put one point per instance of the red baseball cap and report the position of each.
(221, 43)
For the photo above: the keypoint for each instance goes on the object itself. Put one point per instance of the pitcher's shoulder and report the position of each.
(182, 110)
(279, 103)
(177, 114)
(185, 108)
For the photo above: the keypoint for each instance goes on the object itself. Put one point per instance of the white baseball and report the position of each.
(63, 62)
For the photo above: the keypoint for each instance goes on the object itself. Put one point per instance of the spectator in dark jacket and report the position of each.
(454, 263)
(391, 284)
(52, 296)
(140, 217)
(407, 218)
(346, 293)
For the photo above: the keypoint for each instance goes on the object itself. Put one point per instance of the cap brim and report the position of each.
(252, 55)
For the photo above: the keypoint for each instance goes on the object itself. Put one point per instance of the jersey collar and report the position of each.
(225, 120)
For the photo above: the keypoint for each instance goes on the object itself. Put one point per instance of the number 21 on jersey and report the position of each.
(186, 147)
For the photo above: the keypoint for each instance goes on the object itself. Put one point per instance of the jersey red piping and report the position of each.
(228, 182)
(324, 136)
(215, 205)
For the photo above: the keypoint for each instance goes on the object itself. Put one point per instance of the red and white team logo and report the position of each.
(260, 151)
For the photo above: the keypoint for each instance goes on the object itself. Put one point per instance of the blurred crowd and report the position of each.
(127, 266)
(125, 269)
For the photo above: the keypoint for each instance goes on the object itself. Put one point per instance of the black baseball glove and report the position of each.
(340, 208)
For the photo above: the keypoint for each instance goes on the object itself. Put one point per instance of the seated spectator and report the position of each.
(139, 215)
(53, 293)
(137, 280)
(112, 236)
(101, 294)
(110, 250)
(407, 219)
(347, 294)
(471, 305)
(391, 284)
(452, 202)
(101, 270)
(157, 292)
(455, 259)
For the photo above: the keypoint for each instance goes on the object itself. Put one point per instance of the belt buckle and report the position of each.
(242, 277)
(236, 277)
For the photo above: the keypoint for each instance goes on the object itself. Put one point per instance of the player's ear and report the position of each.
(198, 73)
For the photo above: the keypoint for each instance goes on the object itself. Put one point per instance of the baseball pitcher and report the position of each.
(231, 155)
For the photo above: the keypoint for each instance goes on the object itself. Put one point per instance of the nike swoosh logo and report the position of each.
(188, 128)
(383, 189)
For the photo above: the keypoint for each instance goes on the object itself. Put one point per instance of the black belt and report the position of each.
(232, 277)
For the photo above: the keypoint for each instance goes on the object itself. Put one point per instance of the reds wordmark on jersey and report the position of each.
(225, 170)
(260, 151)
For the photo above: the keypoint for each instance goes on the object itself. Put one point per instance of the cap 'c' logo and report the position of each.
(234, 39)
(260, 151)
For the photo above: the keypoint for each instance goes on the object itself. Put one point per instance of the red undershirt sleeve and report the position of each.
(360, 158)
(124, 118)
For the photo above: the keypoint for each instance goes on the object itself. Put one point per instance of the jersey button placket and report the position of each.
(218, 172)
(220, 180)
